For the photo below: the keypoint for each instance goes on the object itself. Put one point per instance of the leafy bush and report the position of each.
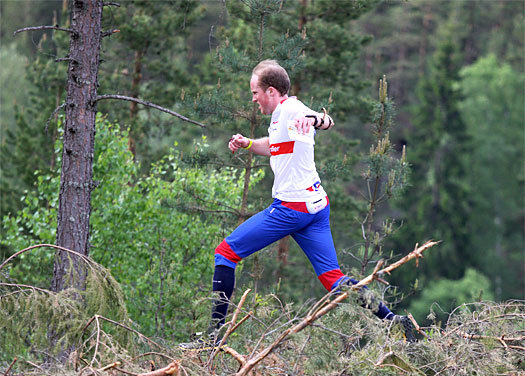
(156, 234)
(443, 296)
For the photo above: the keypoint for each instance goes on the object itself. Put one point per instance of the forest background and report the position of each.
(168, 191)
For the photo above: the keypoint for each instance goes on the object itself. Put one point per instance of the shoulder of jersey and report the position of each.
(291, 103)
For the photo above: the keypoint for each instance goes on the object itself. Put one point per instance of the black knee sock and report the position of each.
(223, 284)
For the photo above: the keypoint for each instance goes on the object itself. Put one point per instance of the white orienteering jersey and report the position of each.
(292, 155)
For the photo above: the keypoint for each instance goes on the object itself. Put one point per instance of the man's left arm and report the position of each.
(318, 120)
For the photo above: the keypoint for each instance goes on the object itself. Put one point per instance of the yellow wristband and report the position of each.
(249, 145)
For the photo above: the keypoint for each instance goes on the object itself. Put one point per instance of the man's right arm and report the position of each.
(259, 146)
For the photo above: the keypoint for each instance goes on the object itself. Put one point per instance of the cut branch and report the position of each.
(149, 104)
(98, 317)
(171, 369)
(232, 325)
(109, 32)
(10, 366)
(33, 28)
(416, 253)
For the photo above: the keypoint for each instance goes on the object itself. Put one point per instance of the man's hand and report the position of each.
(318, 120)
(303, 124)
(238, 141)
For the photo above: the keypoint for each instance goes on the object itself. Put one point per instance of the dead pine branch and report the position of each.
(83, 257)
(98, 317)
(149, 104)
(502, 339)
(110, 366)
(416, 325)
(174, 368)
(10, 366)
(308, 320)
(231, 326)
(55, 27)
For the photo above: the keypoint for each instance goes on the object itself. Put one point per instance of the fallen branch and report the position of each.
(26, 286)
(503, 340)
(153, 353)
(416, 325)
(238, 357)
(416, 253)
(84, 257)
(149, 104)
(232, 325)
(174, 368)
(110, 366)
(97, 317)
(10, 366)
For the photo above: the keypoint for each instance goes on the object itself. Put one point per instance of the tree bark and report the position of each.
(76, 181)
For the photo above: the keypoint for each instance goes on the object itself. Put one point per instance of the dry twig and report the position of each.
(10, 366)
(232, 326)
(416, 253)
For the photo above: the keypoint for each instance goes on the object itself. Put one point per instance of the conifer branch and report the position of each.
(149, 104)
(97, 317)
(502, 339)
(29, 287)
(83, 257)
(56, 27)
(308, 320)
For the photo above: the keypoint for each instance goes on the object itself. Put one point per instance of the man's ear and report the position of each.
(272, 91)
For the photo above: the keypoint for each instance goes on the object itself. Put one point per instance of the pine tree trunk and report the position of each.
(76, 181)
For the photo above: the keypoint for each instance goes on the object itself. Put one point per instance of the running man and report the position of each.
(300, 207)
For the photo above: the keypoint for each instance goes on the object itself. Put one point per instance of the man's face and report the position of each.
(262, 97)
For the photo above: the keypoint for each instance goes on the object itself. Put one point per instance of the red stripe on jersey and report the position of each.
(282, 148)
(329, 278)
(225, 250)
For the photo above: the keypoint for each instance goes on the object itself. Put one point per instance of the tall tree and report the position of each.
(76, 180)
(492, 108)
(148, 58)
(438, 202)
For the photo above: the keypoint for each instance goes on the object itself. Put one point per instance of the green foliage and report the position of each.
(155, 234)
(438, 201)
(385, 174)
(35, 321)
(149, 59)
(444, 295)
(493, 110)
(27, 144)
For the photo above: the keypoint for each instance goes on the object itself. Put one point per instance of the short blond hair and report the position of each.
(270, 73)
